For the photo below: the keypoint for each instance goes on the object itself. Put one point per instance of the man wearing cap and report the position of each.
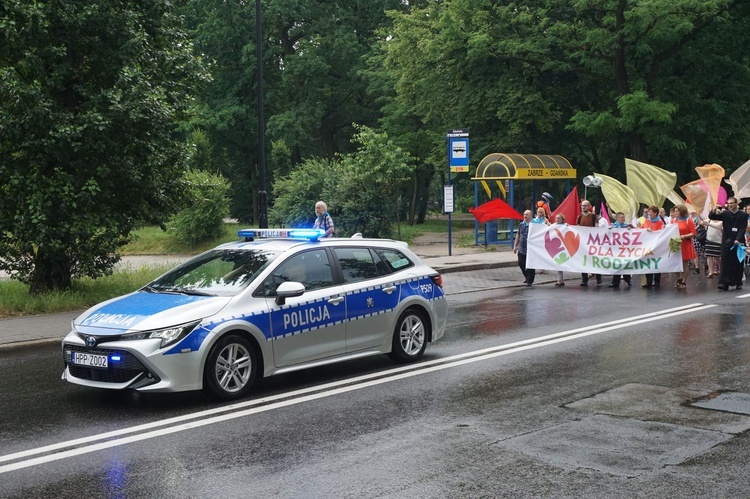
(544, 203)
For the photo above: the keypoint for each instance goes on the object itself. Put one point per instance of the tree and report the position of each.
(90, 96)
(369, 192)
(595, 81)
(314, 53)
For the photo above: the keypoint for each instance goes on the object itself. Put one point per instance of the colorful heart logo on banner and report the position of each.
(571, 241)
(556, 247)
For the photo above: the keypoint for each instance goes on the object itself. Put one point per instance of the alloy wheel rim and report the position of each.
(233, 367)
(412, 335)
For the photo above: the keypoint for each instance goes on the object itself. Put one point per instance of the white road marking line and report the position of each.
(743, 296)
(326, 390)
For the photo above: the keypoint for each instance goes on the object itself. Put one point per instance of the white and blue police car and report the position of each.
(274, 302)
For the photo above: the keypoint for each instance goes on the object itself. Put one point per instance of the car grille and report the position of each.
(121, 372)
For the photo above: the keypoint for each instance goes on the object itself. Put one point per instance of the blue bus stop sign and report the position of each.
(458, 150)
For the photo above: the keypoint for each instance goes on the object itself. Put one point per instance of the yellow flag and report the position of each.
(711, 176)
(619, 196)
(696, 193)
(650, 183)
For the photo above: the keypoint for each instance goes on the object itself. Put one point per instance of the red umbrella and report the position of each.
(493, 210)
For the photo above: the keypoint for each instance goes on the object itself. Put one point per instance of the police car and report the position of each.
(274, 302)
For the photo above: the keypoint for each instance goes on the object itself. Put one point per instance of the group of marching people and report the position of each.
(718, 240)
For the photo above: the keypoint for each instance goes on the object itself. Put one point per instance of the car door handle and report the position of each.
(390, 289)
(336, 300)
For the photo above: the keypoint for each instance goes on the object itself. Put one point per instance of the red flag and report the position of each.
(492, 210)
(570, 207)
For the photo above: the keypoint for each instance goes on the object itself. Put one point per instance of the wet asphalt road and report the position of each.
(619, 403)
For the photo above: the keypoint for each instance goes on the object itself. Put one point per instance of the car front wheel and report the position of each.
(410, 336)
(230, 368)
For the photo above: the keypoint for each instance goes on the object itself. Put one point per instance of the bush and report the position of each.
(207, 200)
(362, 189)
(296, 194)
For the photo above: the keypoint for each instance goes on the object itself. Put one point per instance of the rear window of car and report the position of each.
(394, 259)
(357, 264)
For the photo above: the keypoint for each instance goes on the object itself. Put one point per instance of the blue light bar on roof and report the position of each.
(308, 234)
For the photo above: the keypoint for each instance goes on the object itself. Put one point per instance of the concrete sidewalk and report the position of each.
(467, 268)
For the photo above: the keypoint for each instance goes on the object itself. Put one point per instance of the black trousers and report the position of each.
(528, 274)
(731, 267)
(653, 279)
(617, 277)
(585, 278)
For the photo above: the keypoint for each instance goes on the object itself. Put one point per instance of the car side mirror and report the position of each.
(288, 290)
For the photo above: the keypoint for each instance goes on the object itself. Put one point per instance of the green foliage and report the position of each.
(313, 54)
(90, 97)
(207, 204)
(368, 196)
(595, 81)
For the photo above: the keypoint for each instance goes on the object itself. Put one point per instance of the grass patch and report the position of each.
(154, 241)
(16, 301)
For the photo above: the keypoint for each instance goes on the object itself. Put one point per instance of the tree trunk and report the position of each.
(52, 272)
(637, 148)
(413, 205)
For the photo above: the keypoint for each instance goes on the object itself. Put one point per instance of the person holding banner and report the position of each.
(734, 224)
(620, 223)
(560, 220)
(541, 218)
(653, 222)
(687, 233)
(588, 218)
(520, 247)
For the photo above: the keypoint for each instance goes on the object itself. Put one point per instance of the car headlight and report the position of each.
(167, 335)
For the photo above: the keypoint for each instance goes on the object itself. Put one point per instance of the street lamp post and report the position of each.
(262, 195)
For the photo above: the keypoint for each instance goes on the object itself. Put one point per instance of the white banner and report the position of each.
(597, 250)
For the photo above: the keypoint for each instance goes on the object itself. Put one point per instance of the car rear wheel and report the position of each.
(230, 368)
(410, 336)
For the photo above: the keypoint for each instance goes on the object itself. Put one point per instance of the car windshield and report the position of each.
(223, 272)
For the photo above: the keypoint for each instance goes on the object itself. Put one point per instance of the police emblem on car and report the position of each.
(274, 302)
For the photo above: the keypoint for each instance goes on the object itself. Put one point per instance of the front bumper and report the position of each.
(142, 366)
(127, 372)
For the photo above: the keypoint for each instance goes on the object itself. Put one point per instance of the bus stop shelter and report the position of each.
(501, 171)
